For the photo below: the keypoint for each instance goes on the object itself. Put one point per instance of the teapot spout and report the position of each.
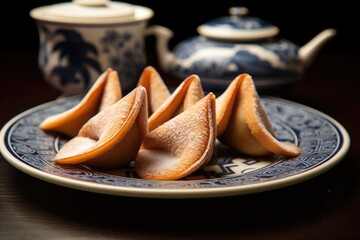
(163, 35)
(308, 52)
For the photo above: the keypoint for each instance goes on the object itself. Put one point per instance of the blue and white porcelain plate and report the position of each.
(323, 142)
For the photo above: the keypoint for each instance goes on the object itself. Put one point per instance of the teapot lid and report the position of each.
(238, 27)
(91, 12)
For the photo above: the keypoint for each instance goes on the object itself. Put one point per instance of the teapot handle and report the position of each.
(163, 35)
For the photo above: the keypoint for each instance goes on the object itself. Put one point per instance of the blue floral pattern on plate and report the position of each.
(322, 140)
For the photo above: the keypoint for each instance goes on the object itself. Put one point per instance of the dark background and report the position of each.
(326, 207)
(298, 21)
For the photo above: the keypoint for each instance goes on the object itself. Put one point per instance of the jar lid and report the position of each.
(238, 26)
(92, 12)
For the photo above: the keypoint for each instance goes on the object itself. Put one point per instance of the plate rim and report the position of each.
(171, 192)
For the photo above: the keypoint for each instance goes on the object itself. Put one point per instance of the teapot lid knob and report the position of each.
(238, 11)
(238, 27)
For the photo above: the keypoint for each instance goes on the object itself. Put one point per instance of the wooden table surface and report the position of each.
(325, 207)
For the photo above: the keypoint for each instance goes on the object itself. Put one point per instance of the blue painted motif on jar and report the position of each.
(124, 54)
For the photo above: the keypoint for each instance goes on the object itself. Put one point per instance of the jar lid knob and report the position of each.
(91, 2)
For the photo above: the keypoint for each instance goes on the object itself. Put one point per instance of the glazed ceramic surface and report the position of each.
(217, 63)
(236, 44)
(75, 50)
(72, 57)
(322, 140)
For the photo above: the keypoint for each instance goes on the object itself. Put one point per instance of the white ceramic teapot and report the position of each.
(80, 39)
(235, 44)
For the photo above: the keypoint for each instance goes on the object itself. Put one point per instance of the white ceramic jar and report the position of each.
(82, 38)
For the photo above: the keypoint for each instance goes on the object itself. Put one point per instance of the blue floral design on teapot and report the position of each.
(228, 46)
